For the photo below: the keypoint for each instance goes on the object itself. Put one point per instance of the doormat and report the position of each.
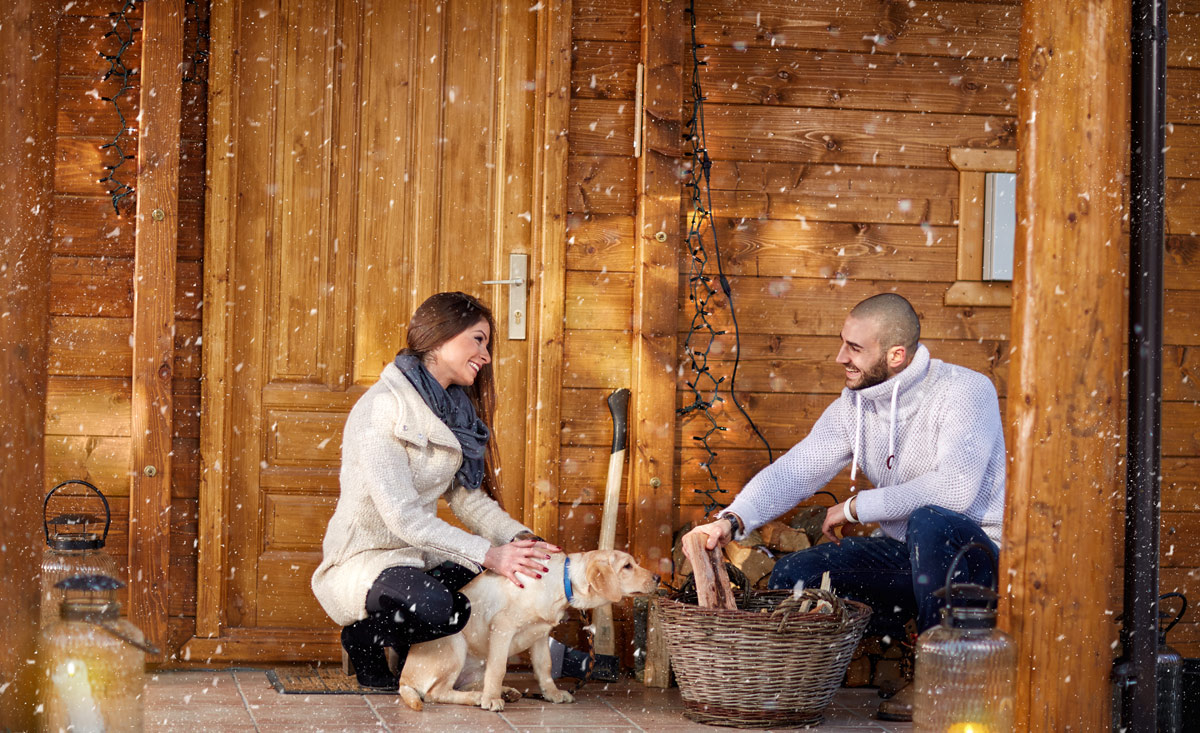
(307, 679)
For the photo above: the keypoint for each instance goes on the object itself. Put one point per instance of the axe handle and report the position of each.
(612, 500)
(618, 405)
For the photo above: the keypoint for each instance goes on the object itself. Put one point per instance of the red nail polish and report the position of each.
(539, 576)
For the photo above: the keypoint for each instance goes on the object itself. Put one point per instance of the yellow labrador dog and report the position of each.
(506, 620)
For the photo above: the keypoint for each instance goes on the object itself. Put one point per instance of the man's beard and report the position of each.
(875, 374)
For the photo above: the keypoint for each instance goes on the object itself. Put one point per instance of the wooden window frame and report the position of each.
(973, 165)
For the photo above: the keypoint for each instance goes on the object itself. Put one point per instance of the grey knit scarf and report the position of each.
(453, 407)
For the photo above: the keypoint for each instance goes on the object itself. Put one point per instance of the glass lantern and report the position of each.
(966, 667)
(74, 546)
(93, 668)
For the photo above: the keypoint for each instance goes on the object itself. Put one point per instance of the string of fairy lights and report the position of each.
(199, 55)
(122, 142)
(123, 30)
(702, 333)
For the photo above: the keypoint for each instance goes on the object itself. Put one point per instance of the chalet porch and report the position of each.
(242, 700)
(250, 295)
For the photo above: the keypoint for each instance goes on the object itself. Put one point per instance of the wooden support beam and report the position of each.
(156, 242)
(657, 242)
(552, 115)
(1064, 392)
(29, 55)
(216, 393)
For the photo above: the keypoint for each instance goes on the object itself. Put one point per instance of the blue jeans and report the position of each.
(896, 579)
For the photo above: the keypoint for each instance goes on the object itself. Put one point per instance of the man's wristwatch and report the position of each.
(735, 524)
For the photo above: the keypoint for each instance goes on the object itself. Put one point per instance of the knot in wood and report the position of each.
(164, 371)
(1182, 249)
(831, 144)
(1038, 61)
(783, 74)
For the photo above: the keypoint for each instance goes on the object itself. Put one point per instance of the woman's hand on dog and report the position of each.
(520, 556)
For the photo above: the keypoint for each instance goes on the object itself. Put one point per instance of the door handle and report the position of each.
(518, 294)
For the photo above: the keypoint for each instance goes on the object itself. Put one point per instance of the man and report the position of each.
(927, 435)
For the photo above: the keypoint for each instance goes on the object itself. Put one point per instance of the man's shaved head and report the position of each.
(897, 321)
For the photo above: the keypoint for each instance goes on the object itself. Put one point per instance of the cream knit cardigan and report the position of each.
(398, 459)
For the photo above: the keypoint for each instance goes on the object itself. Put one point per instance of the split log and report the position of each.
(753, 559)
(712, 582)
(782, 538)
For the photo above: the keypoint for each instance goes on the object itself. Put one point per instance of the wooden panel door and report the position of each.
(364, 154)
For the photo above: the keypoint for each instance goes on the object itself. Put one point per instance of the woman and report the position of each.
(392, 570)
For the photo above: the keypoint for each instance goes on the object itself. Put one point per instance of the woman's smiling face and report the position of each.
(460, 359)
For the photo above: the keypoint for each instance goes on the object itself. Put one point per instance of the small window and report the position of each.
(999, 225)
(987, 222)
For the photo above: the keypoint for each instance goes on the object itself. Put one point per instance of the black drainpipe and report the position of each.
(1139, 632)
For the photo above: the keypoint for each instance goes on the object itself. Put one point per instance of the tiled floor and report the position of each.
(235, 701)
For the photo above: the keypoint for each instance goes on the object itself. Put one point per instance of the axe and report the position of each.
(607, 666)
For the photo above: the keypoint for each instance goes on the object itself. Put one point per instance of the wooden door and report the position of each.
(363, 155)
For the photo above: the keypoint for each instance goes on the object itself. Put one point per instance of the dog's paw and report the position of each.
(494, 704)
(510, 694)
(559, 696)
(411, 697)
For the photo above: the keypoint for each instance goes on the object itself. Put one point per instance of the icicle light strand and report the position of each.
(123, 31)
(705, 386)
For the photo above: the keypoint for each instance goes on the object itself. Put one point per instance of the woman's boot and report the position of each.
(364, 642)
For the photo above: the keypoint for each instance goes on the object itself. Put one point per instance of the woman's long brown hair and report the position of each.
(440, 318)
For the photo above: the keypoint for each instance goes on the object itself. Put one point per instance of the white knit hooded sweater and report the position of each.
(939, 422)
(398, 459)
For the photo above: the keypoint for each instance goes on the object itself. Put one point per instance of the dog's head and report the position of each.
(611, 575)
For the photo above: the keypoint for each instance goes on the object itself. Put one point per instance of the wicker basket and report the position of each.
(758, 666)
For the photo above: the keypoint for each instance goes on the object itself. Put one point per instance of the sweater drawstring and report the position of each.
(857, 437)
(892, 431)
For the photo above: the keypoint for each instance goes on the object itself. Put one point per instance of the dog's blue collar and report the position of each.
(567, 579)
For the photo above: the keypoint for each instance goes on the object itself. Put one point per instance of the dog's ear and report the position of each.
(602, 578)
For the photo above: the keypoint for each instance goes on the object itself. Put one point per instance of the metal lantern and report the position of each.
(1169, 673)
(965, 667)
(74, 546)
(93, 667)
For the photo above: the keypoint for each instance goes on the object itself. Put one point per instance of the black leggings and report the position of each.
(406, 606)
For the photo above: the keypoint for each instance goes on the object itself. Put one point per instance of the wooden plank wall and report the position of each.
(89, 399)
(829, 124)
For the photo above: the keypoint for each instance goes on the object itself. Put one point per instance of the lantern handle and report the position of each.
(144, 646)
(830, 494)
(46, 504)
(958, 556)
(1179, 615)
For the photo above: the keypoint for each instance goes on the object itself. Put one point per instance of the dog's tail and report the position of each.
(411, 697)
